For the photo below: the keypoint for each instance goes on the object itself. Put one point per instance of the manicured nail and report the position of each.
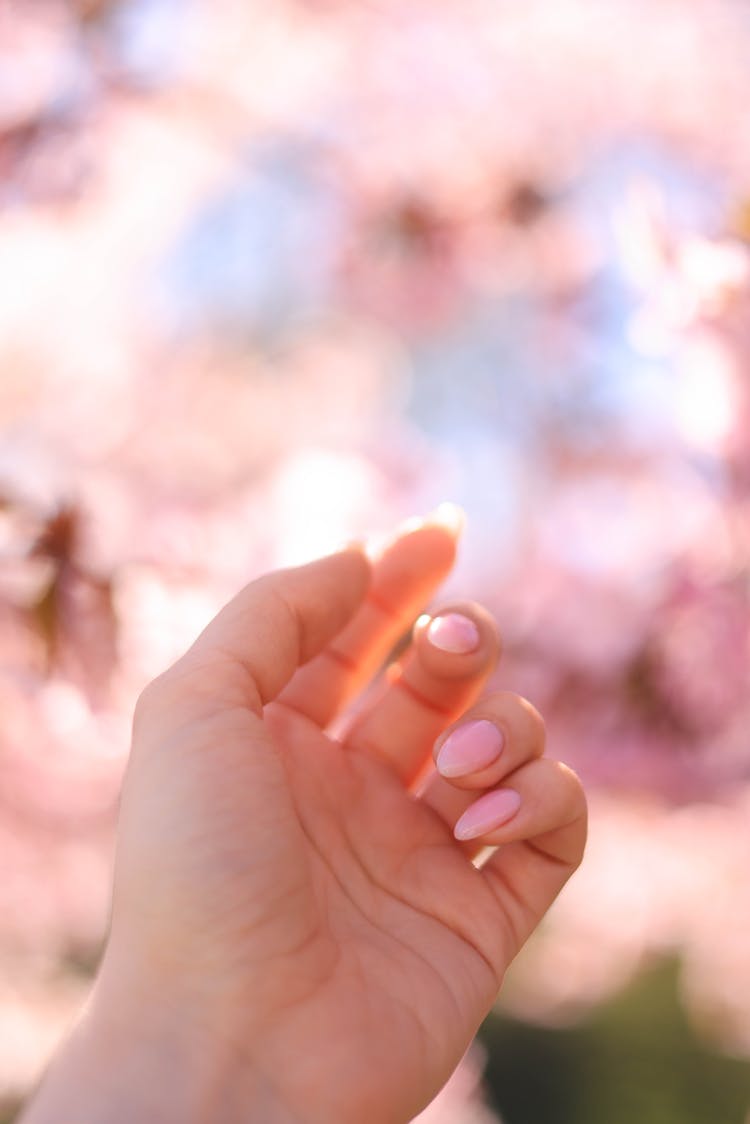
(487, 813)
(454, 633)
(470, 748)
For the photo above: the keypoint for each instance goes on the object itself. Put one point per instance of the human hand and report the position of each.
(297, 934)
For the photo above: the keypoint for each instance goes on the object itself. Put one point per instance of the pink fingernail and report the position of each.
(487, 813)
(470, 748)
(454, 633)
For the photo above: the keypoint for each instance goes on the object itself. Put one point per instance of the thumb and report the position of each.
(252, 648)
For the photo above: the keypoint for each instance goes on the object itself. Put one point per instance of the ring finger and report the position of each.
(499, 735)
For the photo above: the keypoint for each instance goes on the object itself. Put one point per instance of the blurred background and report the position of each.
(277, 273)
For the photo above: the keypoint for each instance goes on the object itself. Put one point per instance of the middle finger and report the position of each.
(441, 674)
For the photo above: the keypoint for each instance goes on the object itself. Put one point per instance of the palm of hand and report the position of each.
(397, 936)
(374, 940)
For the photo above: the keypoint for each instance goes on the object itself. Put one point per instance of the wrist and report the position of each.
(135, 1057)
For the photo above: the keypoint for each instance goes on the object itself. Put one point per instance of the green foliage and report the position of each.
(9, 1108)
(635, 1060)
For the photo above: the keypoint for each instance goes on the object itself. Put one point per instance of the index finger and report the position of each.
(404, 577)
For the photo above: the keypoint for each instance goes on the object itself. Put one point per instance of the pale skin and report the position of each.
(297, 935)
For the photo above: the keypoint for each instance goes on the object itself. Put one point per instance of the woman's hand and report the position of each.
(297, 934)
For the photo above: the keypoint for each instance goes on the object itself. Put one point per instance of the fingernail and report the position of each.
(377, 545)
(408, 525)
(470, 748)
(450, 516)
(487, 813)
(454, 633)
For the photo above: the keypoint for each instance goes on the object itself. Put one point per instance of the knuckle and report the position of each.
(526, 722)
(517, 717)
(536, 727)
(574, 790)
(149, 701)
(488, 627)
(161, 692)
